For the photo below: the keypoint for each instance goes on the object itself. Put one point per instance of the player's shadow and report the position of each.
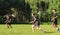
(49, 32)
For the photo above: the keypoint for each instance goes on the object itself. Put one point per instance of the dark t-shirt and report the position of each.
(54, 15)
(8, 18)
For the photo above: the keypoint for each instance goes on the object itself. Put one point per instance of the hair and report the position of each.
(55, 9)
(33, 14)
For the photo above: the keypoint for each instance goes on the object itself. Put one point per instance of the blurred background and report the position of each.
(22, 10)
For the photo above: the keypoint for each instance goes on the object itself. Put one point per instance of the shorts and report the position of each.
(55, 21)
(36, 23)
(9, 22)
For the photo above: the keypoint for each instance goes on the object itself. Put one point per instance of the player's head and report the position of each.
(33, 14)
(54, 10)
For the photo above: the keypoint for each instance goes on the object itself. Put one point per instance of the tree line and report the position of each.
(22, 9)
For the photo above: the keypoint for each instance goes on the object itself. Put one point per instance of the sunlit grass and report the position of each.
(24, 29)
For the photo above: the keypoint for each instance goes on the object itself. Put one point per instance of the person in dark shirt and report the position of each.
(35, 23)
(8, 20)
(54, 20)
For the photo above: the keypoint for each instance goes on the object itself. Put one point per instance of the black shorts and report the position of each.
(9, 23)
(55, 21)
(36, 23)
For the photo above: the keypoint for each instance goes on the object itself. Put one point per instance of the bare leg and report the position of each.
(38, 27)
(7, 26)
(33, 27)
(56, 27)
(10, 26)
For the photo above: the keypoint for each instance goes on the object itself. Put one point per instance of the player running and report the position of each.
(54, 20)
(8, 20)
(35, 23)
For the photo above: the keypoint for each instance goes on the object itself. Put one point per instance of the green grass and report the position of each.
(23, 29)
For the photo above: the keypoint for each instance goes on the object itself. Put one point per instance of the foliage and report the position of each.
(23, 9)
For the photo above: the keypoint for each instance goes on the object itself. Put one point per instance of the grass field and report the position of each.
(24, 29)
